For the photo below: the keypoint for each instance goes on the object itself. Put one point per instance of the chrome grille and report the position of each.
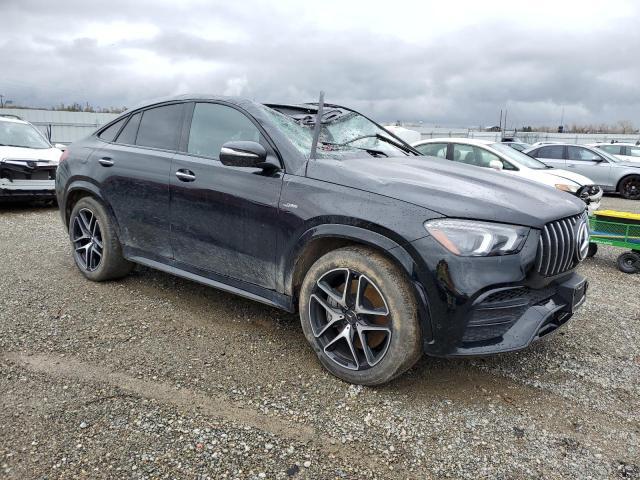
(557, 246)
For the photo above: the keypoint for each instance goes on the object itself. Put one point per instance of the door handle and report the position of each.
(185, 175)
(106, 162)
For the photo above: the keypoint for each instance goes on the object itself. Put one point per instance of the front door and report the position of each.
(590, 164)
(223, 219)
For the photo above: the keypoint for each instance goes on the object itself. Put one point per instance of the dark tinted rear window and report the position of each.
(109, 133)
(160, 127)
(128, 133)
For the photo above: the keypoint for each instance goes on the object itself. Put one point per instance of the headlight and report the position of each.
(477, 239)
(567, 188)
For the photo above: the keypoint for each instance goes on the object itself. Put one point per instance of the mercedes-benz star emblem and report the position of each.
(582, 240)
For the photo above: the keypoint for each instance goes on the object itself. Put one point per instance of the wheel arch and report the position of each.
(321, 239)
(79, 190)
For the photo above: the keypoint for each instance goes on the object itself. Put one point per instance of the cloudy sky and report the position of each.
(446, 62)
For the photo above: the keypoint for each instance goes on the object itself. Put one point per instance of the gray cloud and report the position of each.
(54, 53)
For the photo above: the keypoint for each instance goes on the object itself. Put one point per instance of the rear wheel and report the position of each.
(96, 248)
(629, 262)
(630, 187)
(359, 313)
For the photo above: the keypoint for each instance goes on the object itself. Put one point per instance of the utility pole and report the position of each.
(1, 101)
(500, 120)
(505, 120)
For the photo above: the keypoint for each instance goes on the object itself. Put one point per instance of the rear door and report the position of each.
(552, 155)
(590, 164)
(134, 174)
(224, 219)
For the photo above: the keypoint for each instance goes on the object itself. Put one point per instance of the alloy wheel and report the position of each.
(87, 240)
(350, 319)
(631, 188)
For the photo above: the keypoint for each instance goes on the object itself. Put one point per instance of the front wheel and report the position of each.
(630, 187)
(629, 262)
(359, 313)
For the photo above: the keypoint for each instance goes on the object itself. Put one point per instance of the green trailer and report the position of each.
(619, 229)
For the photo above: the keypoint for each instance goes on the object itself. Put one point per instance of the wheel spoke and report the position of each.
(335, 315)
(84, 223)
(363, 281)
(346, 335)
(362, 335)
(340, 299)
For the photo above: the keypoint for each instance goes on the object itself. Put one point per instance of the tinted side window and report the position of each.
(214, 124)
(464, 154)
(579, 153)
(160, 127)
(109, 133)
(551, 151)
(433, 149)
(129, 132)
(612, 149)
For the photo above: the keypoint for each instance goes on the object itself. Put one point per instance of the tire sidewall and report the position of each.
(405, 345)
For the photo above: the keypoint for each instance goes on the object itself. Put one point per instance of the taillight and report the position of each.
(64, 156)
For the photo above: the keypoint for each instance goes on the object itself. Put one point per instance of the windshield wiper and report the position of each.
(379, 136)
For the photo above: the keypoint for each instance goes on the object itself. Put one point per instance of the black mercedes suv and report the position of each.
(314, 208)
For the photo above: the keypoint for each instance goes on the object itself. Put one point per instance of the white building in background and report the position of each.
(61, 126)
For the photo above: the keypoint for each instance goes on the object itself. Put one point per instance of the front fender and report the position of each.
(397, 252)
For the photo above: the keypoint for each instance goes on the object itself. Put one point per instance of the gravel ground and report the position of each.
(157, 377)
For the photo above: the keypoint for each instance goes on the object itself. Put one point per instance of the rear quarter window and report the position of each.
(109, 133)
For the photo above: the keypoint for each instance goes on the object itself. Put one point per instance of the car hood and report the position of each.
(451, 189)
(20, 153)
(629, 163)
(557, 175)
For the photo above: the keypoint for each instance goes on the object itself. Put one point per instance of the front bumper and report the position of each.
(487, 305)
(27, 178)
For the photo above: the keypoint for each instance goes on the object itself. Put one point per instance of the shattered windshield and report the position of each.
(14, 134)
(343, 134)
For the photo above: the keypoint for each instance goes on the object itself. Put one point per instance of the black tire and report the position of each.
(629, 187)
(403, 346)
(629, 262)
(593, 249)
(111, 263)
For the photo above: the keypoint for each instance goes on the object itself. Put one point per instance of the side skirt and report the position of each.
(227, 284)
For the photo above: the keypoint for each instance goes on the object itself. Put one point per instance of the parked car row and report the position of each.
(499, 156)
(611, 173)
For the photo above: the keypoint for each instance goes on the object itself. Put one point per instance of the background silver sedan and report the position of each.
(611, 173)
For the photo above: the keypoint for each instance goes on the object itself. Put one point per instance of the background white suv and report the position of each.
(28, 162)
(499, 156)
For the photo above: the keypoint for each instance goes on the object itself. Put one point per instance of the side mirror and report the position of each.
(243, 154)
(496, 164)
(60, 146)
